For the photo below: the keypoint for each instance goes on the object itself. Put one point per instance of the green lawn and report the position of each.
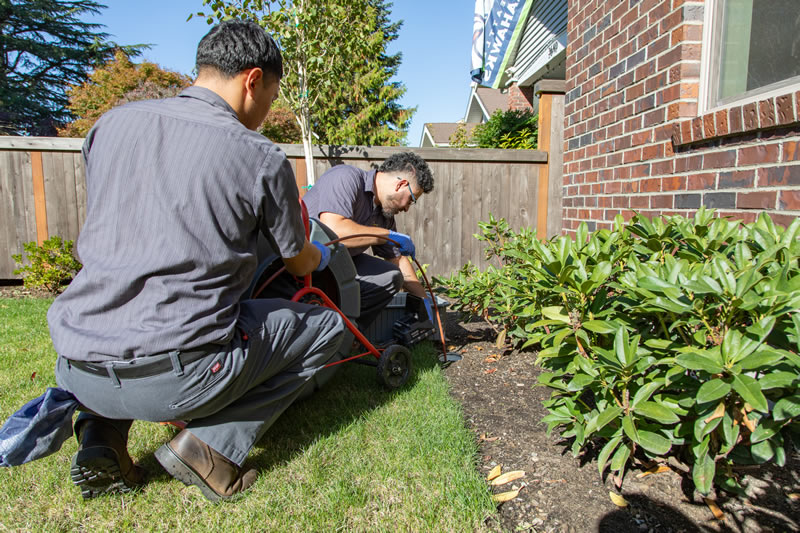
(351, 458)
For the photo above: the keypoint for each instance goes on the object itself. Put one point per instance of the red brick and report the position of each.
(737, 179)
(661, 201)
(621, 201)
(686, 131)
(687, 32)
(640, 171)
(641, 137)
(673, 183)
(719, 159)
(791, 151)
(785, 109)
(779, 176)
(634, 92)
(604, 201)
(654, 151)
(750, 113)
(639, 202)
(632, 155)
(789, 200)
(708, 126)
(650, 185)
(721, 118)
(782, 220)
(629, 187)
(612, 187)
(753, 155)
(766, 112)
(697, 129)
(669, 150)
(735, 119)
(692, 163)
(756, 200)
(701, 181)
(662, 167)
(622, 173)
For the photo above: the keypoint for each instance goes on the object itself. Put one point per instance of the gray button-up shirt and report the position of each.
(177, 192)
(349, 191)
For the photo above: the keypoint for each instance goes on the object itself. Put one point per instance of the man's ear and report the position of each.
(253, 77)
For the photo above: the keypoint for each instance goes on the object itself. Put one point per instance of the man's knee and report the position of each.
(397, 281)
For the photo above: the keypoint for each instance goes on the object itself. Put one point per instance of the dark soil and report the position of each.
(562, 493)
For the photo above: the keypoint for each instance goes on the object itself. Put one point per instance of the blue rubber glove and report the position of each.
(428, 308)
(325, 255)
(404, 243)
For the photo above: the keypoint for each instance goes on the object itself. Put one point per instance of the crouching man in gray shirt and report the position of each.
(352, 201)
(153, 327)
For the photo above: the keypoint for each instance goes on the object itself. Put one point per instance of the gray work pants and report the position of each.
(232, 395)
(379, 281)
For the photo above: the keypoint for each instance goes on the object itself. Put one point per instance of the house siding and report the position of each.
(633, 138)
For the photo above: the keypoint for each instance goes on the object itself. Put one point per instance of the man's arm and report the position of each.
(305, 262)
(344, 227)
(410, 281)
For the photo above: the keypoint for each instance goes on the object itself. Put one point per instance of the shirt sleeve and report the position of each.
(278, 204)
(337, 192)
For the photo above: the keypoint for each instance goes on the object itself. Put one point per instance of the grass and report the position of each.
(353, 457)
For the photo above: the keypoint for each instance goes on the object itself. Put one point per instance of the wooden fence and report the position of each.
(43, 191)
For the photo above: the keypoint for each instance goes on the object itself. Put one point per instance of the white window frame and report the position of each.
(709, 69)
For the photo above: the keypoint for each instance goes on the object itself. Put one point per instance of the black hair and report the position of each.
(410, 162)
(236, 45)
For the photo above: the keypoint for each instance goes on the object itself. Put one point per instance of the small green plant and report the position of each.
(672, 340)
(51, 264)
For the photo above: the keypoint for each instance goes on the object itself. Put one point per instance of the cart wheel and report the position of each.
(394, 366)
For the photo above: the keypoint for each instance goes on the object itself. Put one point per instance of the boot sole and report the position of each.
(96, 471)
(175, 467)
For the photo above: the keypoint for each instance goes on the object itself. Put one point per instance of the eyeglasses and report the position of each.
(413, 197)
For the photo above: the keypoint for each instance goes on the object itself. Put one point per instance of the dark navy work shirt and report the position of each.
(349, 191)
(177, 193)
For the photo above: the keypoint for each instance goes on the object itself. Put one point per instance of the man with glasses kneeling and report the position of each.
(352, 201)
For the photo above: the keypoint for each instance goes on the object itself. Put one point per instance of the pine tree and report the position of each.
(44, 48)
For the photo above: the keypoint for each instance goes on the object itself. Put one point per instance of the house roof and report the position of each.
(483, 101)
(438, 133)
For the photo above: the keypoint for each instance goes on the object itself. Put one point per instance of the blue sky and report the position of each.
(435, 40)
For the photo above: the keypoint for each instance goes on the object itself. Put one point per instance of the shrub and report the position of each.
(51, 264)
(670, 340)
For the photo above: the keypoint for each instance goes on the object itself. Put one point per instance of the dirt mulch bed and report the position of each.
(560, 493)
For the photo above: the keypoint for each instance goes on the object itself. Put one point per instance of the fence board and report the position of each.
(469, 184)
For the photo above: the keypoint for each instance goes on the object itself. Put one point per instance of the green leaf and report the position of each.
(607, 415)
(579, 382)
(600, 326)
(654, 443)
(602, 457)
(750, 392)
(762, 358)
(657, 412)
(697, 361)
(621, 346)
(777, 380)
(713, 390)
(762, 451)
(766, 429)
(703, 474)
(787, 408)
(645, 392)
(556, 313)
(620, 458)
(629, 428)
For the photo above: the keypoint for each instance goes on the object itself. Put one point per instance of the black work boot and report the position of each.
(102, 464)
(192, 461)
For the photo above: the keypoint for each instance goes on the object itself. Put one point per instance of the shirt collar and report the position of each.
(369, 181)
(208, 96)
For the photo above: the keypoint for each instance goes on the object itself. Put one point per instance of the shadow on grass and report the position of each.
(351, 393)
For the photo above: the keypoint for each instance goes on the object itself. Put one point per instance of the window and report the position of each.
(755, 49)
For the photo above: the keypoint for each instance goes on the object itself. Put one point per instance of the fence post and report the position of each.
(39, 202)
(551, 140)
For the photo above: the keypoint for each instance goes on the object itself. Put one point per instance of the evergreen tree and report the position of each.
(368, 112)
(44, 48)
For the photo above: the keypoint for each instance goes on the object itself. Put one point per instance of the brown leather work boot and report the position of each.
(192, 461)
(102, 464)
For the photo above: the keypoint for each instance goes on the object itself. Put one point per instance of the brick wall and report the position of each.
(520, 97)
(633, 139)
